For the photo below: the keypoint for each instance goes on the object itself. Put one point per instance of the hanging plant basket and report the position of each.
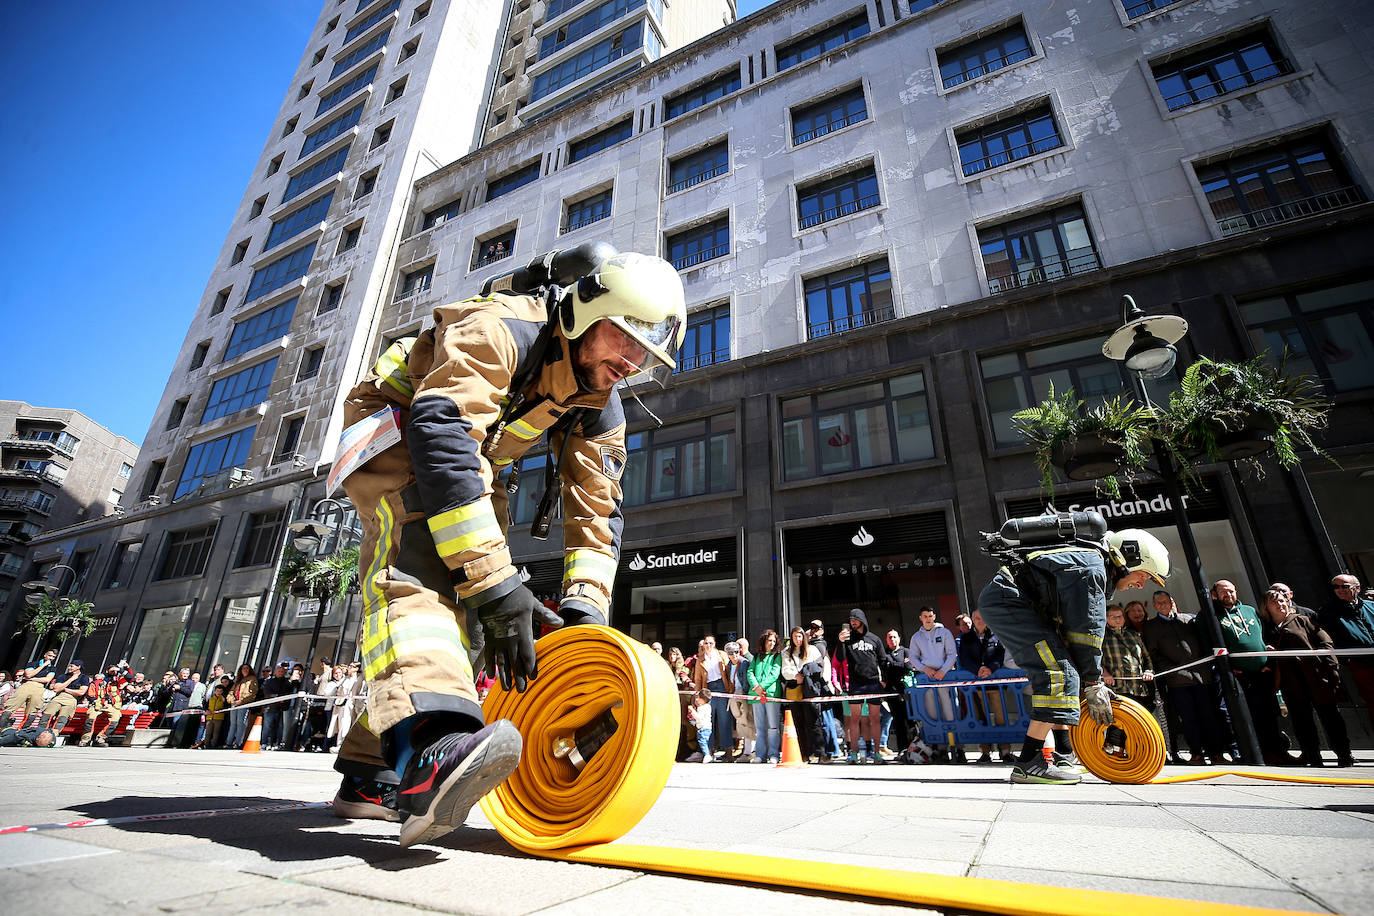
(1250, 441)
(1083, 442)
(1088, 457)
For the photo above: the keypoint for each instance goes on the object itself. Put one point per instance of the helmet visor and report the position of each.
(659, 343)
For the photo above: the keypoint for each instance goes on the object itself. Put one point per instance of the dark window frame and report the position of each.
(300, 220)
(1304, 348)
(808, 420)
(690, 99)
(288, 439)
(512, 180)
(1008, 139)
(828, 115)
(245, 388)
(691, 169)
(267, 325)
(186, 553)
(850, 192)
(1043, 269)
(493, 248)
(1268, 176)
(1220, 68)
(698, 244)
(689, 444)
(582, 212)
(262, 534)
(123, 564)
(822, 41)
(993, 51)
(602, 139)
(705, 326)
(857, 285)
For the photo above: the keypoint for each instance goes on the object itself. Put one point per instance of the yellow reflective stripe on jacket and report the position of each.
(412, 635)
(374, 597)
(1042, 648)
(391, 366)
(522, 430)
(589, 566)
(1039, 699)
(1049, 550)
(465, 527)
(1090, 640)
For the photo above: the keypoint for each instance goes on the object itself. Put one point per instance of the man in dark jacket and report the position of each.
(825, 713)
(864, 653)
(1172, 639)
(274, 685)
(183, 687)
(981, 654)
(1349, 621)
(894, 708)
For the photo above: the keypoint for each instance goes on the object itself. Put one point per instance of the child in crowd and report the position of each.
(701, 718)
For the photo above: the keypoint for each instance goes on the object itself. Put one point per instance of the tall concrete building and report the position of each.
(58, 468)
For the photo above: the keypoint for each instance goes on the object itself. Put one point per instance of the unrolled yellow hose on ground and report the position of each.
(550, 808)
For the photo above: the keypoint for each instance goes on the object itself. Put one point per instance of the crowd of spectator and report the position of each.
(1186, 698)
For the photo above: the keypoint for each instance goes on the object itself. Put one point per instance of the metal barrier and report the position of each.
(964, 718)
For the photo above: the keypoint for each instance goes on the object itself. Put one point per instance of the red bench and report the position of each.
(129, 722)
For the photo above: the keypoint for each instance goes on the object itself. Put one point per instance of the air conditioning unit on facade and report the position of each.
(240, 476)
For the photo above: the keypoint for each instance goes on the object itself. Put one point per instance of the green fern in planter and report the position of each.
(1062, 419)
(305, 576)
(64, 616)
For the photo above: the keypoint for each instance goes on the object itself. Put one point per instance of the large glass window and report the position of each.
(696, 167)
(685, 459)
(708, 339)
(261, 539)
(818, 43)
(359, 54)
(690, 99)
(298, 221)
(329, 166)
(348, 89)
(983, 55)
(880, 423)
(507, 183)
(1039, 249)
(159, 639)
(493, 248)
(442, 214)
(334, 128)
(1008, 139)
(586, 24)
(1326, 331)
(847, 299)
(242, 389)
(122, 564)
(235, 632)
(280, 272)
(610, 136)
(836, 197)
(1275, 185)
(416, 282)
(188, 552)
(211, 457)
(700, 243)
(588, 61)
(1137, 8)
(1217, 69)
(559, 7)
(372, 19)
(588, 210)
(263, 327)
(820, 118)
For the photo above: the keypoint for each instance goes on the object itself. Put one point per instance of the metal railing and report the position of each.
(1290, 210)
(1233, 83)
(1134, 10)
(493, 257)
(21, 502)
(1045, 272)
(813, 133)
(1023, 151)
(416, 290)
(698, 178)
(585, 221)
(854, 206)
(988, 67)
(701, 360)
(851, 322)
(705, 254)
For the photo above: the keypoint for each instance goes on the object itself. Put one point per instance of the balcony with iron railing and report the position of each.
(1045, 272)
(701, 360)
(573, 226)
(705, 254)
(419, 289)
(63, 443)
(851, 322)
(1233, 81)
(1335, 199)
(25, 504)
(844, 209)
(829, 127)
(698, 178)
(986, 67)
(29, 474)
(1011, 154)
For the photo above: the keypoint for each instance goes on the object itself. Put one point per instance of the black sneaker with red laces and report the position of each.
(366, 799)
(442, 783)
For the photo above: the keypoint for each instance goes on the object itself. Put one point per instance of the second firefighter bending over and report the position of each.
(472, 395)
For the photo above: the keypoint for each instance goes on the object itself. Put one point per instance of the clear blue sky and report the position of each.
(129, 134)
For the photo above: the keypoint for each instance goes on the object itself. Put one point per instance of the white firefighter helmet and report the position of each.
(641, 295)
(1137, 549)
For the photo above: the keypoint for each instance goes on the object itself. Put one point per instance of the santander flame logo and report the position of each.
(637, 563)
(862, 539)
(841, 438)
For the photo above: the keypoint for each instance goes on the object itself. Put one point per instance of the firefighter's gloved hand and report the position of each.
(576, 608)
(1097, 700)
(477, 640)
(508, 624)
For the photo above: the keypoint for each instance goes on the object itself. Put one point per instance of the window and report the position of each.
(198, 357)
(440, 215)
(818, 43)
(211, 457)
(866, 426)
(348, 89)
(1039, 249)
(708, 339)
(331, 25)
(397, 90)
(153, 478)
(820, 118)
(258, 206)
(1217, 69)
(507, 183)
(274, 165)
(289, 438)
(846, 299)
(1007, 139)
(348, 240)
(697, 167)
(589, 22)
(244, 388)
(333, 296)
(221, 300)
(372, 19)
(326, 168)
(1014, 381)
(359, 54)
(409, 49)
(280, 272)
(122, 564)
(587, 211)
(827, 200)
(690, 99)
(125, 470)
(310, 363)
(983, 55)
(1138, 8)
(588, 61)
(415, 282)
(178, 412)
(188, 552)
(581, 149)
(525, 502)
(421, 12)
(492, 249)
(298, 221)
(559, 7)
(1277, 184)
(319, 56)
(1325, 331)
(918, 5)
(381, 135)
(261, 539)
(685, 459)
(700, 243)
(263, 327)
(240, 252)
(290, 126)
(334, 128)
(305, 90)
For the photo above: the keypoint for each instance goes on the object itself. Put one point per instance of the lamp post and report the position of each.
(34, 586)
(1145, 345)
(309, 537)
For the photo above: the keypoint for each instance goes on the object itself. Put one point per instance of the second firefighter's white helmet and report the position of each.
(640, 294)
(1137, 549)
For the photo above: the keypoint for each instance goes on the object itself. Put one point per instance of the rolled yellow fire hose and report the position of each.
(562, 804)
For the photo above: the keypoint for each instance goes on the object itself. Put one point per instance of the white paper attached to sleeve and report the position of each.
(361, 442)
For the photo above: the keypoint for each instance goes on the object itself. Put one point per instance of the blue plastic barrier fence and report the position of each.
(960, 715)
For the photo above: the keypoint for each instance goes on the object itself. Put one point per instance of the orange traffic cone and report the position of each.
(253, 744)
(791, 751)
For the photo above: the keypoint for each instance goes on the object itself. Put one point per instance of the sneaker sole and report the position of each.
(1021, 780)
(484, 769)
(363, 810)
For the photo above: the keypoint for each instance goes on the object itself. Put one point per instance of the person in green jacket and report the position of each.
(765, 683)
(1242, 632)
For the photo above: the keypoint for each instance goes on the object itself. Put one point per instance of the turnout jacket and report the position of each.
(451, 386)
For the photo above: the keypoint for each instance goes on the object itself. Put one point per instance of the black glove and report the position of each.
(508, 625)
(576, 612)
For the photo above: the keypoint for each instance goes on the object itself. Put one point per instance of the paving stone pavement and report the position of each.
(1232, 840)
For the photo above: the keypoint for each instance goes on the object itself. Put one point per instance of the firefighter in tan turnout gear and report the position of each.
(470, 396)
